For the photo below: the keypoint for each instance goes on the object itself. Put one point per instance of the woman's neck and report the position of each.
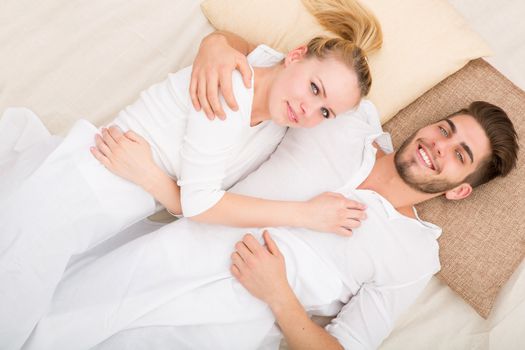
(263, 81)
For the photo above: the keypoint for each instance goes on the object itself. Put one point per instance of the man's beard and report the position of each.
(403, 167)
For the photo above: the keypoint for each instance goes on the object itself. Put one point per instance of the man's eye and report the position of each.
(314, 88)
(443, 131)
(325, 112)
(460, 156)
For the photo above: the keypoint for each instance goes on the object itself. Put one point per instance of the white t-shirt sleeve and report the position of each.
(368, 318)
(206, 149)
(264, 56)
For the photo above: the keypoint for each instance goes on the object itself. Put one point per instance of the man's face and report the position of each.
(438, 157)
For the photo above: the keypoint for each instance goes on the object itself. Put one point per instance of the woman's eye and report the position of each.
(314, 88)
(460, 156)
(325, 112)
(443, 131)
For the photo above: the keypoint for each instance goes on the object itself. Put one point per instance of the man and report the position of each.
(179, 277)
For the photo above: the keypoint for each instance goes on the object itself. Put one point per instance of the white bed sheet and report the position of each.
(67, 59)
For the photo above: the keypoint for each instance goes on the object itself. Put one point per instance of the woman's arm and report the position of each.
(261, 270)
(220, 53)
(327, 212)
(128, 155)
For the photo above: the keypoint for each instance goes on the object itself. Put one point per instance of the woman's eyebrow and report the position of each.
(323, 90)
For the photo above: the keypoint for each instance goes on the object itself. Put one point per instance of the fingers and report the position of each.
(344, 231)
(133, 136)
(252, 244)
(270, 243)
(115, 132)
(227, 90)
(108, 138)
(100, 157)
(242, 250)
(355, 214)
(348, 203)
(203, 100)
(102, 147)
(238, 262)
(247, 249)
(235, 271)
(246, 72)
(193, 89)
(212, 94)
(351, 204)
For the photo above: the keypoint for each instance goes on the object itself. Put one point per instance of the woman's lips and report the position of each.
(291, 114)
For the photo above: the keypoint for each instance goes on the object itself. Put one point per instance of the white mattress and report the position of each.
(71, 59)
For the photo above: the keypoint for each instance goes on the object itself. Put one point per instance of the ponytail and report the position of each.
(359, 34)
(349, 20)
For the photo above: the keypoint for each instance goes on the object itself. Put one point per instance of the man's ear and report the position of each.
(296, 54)
(459, 192)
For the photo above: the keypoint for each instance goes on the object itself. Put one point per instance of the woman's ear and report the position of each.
(296, 54)
(459, 192)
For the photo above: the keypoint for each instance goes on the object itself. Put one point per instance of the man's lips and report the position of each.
(291, 114)
(425, 157)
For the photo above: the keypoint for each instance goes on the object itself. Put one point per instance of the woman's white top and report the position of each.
(206, 157)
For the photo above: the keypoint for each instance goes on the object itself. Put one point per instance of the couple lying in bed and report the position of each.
(215, 286)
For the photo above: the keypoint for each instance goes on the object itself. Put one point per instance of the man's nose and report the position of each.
(441, 146)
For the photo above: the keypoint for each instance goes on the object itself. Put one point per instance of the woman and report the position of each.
(89, 204)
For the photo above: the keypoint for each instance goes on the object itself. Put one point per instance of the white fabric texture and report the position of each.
(66, 60)
(206, 157)
(178, 279)
(76, 203)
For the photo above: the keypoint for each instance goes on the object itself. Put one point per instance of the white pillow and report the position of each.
(311, 161)
(424, 41)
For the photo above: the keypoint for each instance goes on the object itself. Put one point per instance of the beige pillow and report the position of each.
(424, 41)
(483, 238)
(91, 59)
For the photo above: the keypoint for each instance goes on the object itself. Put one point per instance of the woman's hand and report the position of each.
(127, 155)
(332, 212)
(261, 270)
(212, 70)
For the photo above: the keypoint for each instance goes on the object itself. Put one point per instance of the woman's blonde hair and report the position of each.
(359, 34)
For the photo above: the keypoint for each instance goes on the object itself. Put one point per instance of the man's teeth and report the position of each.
(425, 157)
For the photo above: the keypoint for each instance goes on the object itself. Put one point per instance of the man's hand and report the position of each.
(261, 270)
(332, 212)
(212, 70)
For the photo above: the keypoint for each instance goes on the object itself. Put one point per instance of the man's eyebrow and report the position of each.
(324, 94)
(463, 144)
(468, 150)
(451, 125)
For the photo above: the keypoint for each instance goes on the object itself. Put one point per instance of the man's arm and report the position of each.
(363, 323)
(299, 330)
(220, 53)
(262, 272)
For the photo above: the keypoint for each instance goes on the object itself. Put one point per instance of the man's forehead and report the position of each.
(471, 132)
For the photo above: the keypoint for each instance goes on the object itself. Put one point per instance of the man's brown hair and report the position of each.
(503, 142)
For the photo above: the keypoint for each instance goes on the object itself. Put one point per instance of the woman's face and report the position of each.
(308, 90)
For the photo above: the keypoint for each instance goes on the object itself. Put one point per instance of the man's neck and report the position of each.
(385, 180)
